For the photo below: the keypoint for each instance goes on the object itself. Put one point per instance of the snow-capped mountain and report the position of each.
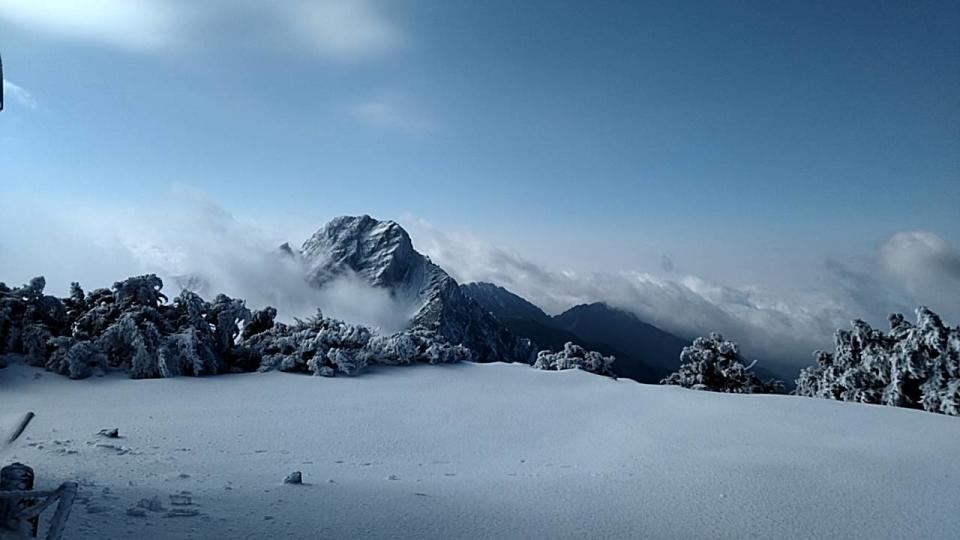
(381, 254)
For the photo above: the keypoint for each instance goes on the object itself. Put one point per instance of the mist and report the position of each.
(191, 243)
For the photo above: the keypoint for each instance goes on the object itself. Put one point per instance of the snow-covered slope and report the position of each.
(481, 451)
(381, 253)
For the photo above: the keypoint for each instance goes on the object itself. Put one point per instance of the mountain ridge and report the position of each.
(644, 352)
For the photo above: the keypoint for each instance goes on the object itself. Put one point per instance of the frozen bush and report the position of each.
(713, 363)
(75, 359)
(131, 327)
(915, 366)
(574, 356)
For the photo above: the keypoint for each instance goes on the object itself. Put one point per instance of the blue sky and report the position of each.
(746, 142)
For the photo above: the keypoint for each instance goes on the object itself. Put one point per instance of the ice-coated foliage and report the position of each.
(713, 363)
(75, 359)
(134, 328)
(913, 365)
(129, 327)
(574, 356)
(328, 347)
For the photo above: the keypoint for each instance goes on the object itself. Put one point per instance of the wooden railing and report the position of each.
(21, 506)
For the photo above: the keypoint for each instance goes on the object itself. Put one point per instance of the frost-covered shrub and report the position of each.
(396, 349)
(713, 363)
(140, 291)
(915, 366)
(133, 346)
(188, 352)
(75, 359)
(444, 353)
(306, 346)
(132, 327)
(574, 356)
(34, 344)
(229, 316)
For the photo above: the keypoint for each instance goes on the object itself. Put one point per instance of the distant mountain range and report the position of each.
(644, 352)
(495, 323)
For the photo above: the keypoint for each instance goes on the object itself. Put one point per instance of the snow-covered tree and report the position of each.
(75, 359)
(713, 363)
(132, 327)
(913, 365)
(574, 356)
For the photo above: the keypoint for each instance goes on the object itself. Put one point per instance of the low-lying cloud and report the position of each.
(926, 266)
(189, 242)
(782, 328)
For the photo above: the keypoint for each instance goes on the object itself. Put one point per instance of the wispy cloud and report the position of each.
(189, 241)
(343, 29)
(347, 30)
(389, 114)
(19, 94)
(130, 24)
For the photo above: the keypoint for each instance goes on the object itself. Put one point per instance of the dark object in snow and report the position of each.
(181, 499)
(181, 512)
(713, 363)
(20, 506)
(294, 478)
(153, 505)
(112, 433)
(16, 477)
(913, 365)
(21, 426)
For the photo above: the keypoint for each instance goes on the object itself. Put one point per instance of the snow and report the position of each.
(478, 451)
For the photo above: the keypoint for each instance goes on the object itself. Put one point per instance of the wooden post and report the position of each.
(59, 520)
(17, 477)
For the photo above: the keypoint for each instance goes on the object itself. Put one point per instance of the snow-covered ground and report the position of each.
(480, 451)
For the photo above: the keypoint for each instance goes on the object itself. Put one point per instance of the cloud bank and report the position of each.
(782, 328)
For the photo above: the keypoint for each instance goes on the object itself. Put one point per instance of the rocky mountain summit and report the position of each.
(382, 254)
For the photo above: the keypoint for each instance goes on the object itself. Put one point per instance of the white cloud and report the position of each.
(130, 24)
(19, 94)
(927, 266)
(343, 29)
(780, 327)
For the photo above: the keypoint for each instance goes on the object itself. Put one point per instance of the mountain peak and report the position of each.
(378, 251)
(381, 253)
